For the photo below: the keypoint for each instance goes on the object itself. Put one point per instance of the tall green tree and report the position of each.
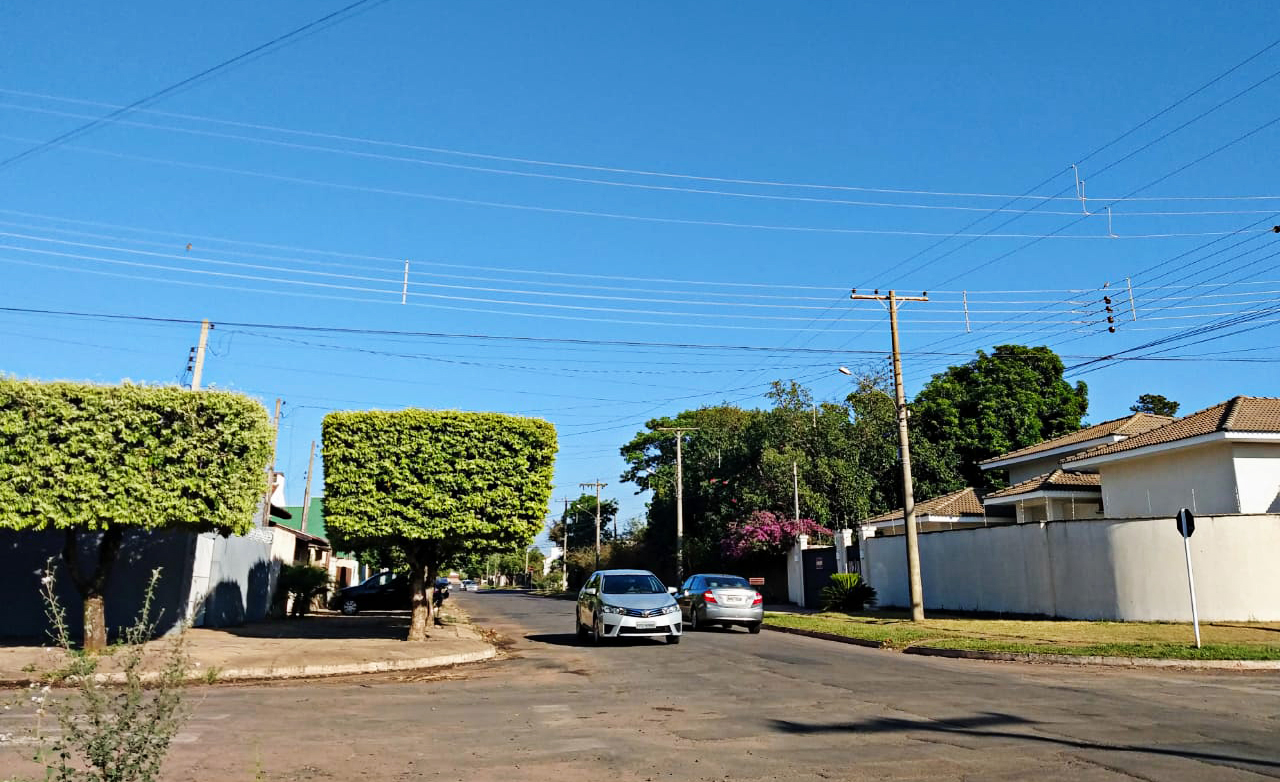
(93, 460)
(437, 485)
(1156, 404)
(580, 517)
(1008, 399)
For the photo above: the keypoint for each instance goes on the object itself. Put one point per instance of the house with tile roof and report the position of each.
(1060, 495)
(1042, 458)
(1224, 459)
(957, 510)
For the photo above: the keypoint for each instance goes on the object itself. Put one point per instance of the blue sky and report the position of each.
(714, 174)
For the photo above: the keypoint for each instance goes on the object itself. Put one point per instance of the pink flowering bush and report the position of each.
(764, 532)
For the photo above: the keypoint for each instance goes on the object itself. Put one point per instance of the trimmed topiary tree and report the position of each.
(93, 459)
(437, 485)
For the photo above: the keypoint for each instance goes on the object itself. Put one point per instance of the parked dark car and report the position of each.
(384, 591)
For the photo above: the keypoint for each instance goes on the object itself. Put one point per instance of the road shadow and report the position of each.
(570, 639)
(988, 724)
(392, 625)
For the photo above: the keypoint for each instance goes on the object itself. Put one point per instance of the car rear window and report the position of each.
(727, 582)
(632, 585)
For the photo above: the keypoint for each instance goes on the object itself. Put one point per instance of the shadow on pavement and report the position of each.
(329, 625)
(979, 726)
(569, 639)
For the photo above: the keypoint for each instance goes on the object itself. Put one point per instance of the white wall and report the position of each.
(1201, 478)
(1117, 569)
(1257, 477)
(1027, 470)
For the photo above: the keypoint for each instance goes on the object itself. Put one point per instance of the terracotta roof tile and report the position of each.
(1128, 426)
(958, 503)
(1238, 414)
(1058, 479)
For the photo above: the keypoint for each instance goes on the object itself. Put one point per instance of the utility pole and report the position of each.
(197, 369)
(598, 486)
(908, 493)
(564, 557)
(679, 498)
(795, 488)
(271, 468)
(306, 492)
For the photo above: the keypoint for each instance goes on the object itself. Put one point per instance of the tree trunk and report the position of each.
(92, 588)
(421, 619)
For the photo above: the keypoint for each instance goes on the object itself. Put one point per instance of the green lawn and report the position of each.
(1222, 641)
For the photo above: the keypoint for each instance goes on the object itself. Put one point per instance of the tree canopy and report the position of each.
(1156, 404)
(90, 458)
(1008, 399)
(437, 485)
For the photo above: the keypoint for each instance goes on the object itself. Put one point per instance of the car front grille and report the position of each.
(643, 613)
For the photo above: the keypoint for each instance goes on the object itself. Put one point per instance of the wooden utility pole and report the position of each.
(908, 494)
(197, 369)
(679, 432)
(598, 485)
(306, 492)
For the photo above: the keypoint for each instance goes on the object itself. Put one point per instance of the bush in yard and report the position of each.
(304, 583)
(436, 485)
(847, 592)
(96, 460)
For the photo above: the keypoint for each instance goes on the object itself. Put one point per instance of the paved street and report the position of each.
(730, 706)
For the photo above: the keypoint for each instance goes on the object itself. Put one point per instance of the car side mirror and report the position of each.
(589, 591)
(671, 590)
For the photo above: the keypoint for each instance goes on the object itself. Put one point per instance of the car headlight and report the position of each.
(671, 609)
(612, 610)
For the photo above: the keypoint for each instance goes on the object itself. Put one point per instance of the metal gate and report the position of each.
(819, 564)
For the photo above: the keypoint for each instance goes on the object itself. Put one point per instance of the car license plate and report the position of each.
(646, 625)
(734, 601)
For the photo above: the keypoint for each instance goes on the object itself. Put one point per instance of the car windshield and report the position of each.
(632, 585)
(727, 582)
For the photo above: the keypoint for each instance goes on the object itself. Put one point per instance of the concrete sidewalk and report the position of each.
(322, 644)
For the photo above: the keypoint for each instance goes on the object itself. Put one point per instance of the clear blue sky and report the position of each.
(545, 169)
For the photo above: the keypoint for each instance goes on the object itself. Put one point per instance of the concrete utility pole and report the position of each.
(564, 557)
(197, 369)
(598, 486)
(306, 492)
(795, 489)
(908, 493)
(271, 469)
(679, 432)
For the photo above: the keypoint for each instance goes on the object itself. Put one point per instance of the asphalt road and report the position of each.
(725, 705)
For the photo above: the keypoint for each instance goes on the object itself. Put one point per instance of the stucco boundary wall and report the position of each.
(1110, 569)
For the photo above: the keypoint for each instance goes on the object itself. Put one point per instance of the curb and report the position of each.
(1032, 657)
(304, 671)
(1112, 662)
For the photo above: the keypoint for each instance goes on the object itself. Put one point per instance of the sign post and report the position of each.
(1186, 528)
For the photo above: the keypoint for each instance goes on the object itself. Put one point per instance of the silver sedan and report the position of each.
(719, 599)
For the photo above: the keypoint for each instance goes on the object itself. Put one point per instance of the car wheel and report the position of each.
(597, 630)
(350, 607)
(753, 628)
(693, 619)
(673, 639)
(578, 629)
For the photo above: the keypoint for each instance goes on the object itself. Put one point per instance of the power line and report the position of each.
(157, 95)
